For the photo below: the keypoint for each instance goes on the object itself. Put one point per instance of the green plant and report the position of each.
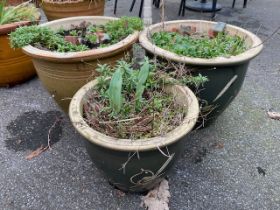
(91, 29)
(131, 103)
(92, 38)
(119, 29)
(73, 33)
(45, 38)
(60, 30)
(200, 47)
(196, 81)
(42, 37)
(21, 12)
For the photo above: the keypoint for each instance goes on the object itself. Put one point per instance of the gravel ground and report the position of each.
(233, 164)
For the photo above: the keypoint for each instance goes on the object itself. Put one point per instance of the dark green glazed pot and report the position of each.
(226, 75)
(135, 165)
(223, 86)
(134, 172)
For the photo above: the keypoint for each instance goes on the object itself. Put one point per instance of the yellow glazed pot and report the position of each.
(15, 66)
(63, 74)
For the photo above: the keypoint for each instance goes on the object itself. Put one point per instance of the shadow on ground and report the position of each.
(32, 130)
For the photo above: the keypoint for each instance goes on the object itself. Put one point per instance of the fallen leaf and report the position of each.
(219, 145)
(158, 198)
(36, 152)
(120, 193)
(18, 141)
(274, 115)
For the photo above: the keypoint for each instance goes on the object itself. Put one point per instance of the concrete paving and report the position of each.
(233, 164)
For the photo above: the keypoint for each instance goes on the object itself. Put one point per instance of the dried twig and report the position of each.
(36, 152)
(118, 121)
(50, 130)
(42, 149)
(128, 159)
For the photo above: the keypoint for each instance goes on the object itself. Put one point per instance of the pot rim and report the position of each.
(98, 138)
(9, 27)
(82, 55)
(254, 50)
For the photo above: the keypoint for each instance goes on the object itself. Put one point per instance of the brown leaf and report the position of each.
(219, 145)
(120, 193)
(158, 198)
(36, 152)
(19, 141)
(274, 115)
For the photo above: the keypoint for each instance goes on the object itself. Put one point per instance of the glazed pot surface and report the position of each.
(226, 75)
(15, 66)
(135, 165)
(135, 171)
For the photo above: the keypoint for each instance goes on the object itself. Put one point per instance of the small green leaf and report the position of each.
(114, 91)
(138, 95)
(144, 73)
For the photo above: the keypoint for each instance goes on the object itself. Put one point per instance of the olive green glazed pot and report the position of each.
(135, 165)
(225, 74)
(62, 74)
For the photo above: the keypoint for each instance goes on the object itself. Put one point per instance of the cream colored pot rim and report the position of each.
(95, 137)
(83, 55)
(218, 61)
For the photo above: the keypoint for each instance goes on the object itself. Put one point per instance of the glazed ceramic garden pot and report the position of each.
(63, 74)
(225, 74)
(134, 165)
(15, 66)
(57, 10)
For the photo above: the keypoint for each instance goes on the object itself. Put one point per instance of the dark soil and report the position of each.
(149, 122)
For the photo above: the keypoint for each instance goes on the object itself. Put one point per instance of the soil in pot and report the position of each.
(15, 66)
(135, 121)
(223, 57)
(133, 104)
(57, 9)
(63, 65)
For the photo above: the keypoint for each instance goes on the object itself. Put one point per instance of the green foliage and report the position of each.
(202, 47)
(131, 103)
(44, 37)
(125, 81)
(21, 12)
(140, 83)
(115, 91)
(92, 38)
(92, 29)
(119, 29)
(196, 81)
(73, 33)
(2, 7)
